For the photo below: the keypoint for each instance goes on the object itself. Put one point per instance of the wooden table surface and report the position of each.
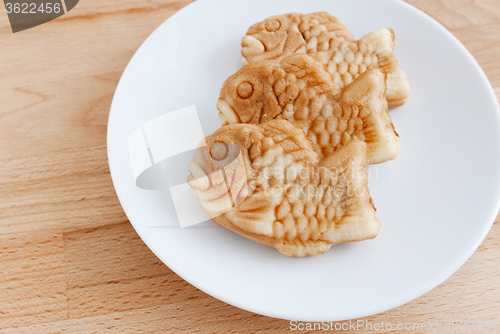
(70, 261)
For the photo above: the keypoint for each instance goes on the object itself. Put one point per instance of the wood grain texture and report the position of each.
(70, 262)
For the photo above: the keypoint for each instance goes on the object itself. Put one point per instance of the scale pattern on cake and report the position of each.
(299, 90)
(328, 41)
(283, 194)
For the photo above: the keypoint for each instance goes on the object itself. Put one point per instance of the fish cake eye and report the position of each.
(245, 90)
(272, 25)
(219, 151)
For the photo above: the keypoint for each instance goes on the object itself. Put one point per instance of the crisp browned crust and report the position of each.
(284, 196)
(323, 37)
(299, 90)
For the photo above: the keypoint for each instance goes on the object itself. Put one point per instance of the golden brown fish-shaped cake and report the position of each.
(282, 194)
(322, 36)
(299, 90)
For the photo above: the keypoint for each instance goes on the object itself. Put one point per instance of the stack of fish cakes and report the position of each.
(300, 122)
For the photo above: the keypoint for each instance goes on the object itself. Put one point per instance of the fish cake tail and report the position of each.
(367, 94)
(398, 87)
(359, 222)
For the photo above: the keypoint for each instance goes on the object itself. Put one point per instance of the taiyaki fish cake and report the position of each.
(299, 90)
(323, 37)
(282, 194)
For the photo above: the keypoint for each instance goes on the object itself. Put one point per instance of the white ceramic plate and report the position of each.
(436, 202)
